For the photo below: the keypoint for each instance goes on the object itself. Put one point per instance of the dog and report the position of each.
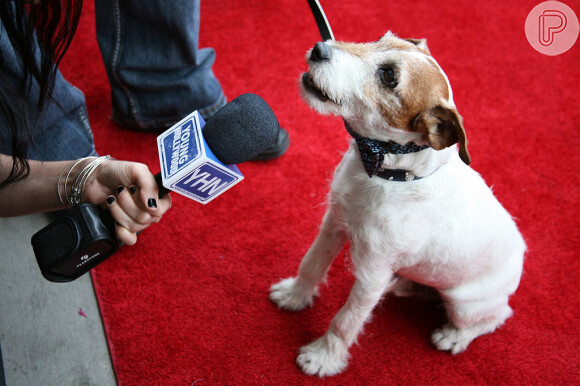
(405, 198)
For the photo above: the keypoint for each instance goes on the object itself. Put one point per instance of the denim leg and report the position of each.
(63, 131)
(156, 71)
(68, 137)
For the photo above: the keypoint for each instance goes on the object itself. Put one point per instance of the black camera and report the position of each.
(82, 238)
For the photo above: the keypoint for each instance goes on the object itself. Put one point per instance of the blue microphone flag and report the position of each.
(189, 167)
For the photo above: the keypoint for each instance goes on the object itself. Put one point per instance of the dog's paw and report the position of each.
(326, 356)
(451, 338)
(290, 295)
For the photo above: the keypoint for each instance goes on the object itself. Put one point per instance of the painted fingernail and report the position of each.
(152, 203)
(120, 189)
(110, 200)
(132, 189)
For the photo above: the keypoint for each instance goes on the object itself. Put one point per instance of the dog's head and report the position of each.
(392, 89)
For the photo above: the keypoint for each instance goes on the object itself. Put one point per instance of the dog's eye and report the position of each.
(388, 76)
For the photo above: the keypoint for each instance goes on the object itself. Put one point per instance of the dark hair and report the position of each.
(40, 32)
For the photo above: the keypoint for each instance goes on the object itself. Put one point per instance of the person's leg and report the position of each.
(156, 71)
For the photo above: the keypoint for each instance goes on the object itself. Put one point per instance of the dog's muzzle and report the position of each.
(321, 52)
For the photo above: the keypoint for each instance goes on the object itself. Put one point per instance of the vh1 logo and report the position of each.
(206, 182)
(189, 167)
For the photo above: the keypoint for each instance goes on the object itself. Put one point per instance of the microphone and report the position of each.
(198, 159)
(197, 163)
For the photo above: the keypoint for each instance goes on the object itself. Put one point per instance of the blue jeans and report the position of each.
(65, 133)
(156, 71)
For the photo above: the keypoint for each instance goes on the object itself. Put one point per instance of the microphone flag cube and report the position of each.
(189, 167)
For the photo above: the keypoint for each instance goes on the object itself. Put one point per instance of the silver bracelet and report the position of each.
(80, 181)
(66, 180)
(58, 185)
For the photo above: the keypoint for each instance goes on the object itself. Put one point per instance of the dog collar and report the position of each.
(397, 175)
(372, 153)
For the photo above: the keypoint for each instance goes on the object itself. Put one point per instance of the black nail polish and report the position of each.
(132, 189)
(120, 189)
(110, 200)
(152, 203)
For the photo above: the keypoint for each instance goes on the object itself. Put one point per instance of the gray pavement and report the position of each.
(50, 333)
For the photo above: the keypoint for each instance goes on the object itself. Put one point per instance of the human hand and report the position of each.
(129, 191)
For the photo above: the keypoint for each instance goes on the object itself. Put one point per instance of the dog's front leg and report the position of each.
(328, 355)
(295, 293)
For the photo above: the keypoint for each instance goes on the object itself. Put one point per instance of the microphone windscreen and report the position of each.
(241, 129)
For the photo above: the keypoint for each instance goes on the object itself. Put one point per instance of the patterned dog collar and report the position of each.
(372, 153)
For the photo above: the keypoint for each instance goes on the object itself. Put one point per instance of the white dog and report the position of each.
(403, 195)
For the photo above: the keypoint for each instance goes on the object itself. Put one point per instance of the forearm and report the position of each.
(38, 192)
(127, 189)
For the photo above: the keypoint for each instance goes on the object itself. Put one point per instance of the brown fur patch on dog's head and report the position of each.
(422, 99)
(394, 85)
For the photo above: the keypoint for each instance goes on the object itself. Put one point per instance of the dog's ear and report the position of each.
(421, 44)
(442, 127)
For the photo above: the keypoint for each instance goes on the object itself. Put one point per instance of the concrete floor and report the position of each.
(50, 333)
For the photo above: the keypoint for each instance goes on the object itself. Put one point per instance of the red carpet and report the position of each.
(189, 303)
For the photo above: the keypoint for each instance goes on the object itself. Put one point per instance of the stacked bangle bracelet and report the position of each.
(79, 182)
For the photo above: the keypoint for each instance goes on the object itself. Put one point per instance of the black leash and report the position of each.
(321, 21)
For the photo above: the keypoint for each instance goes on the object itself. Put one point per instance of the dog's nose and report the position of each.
(320, 52)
